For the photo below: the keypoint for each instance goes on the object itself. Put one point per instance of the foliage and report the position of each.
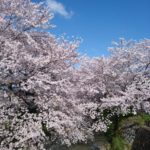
(118, 143)
(115, 135)
(139, 119)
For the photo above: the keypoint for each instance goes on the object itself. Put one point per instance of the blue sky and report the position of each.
(99, 22)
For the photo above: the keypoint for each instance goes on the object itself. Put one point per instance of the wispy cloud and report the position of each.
(58, 8)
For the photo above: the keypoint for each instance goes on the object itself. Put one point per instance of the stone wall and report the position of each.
(142, 139)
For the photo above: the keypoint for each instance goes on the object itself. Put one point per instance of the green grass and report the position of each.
(118, 143)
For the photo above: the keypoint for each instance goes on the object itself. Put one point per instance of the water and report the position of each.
(99, 143)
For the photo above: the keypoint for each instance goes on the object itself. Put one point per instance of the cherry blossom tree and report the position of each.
(118, 84)
(37, 102)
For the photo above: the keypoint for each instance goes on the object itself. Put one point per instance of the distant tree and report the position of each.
(116, 85)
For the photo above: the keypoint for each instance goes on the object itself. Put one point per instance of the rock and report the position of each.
(129, 132)
(142, 139)
(147, 123)
(95, 147)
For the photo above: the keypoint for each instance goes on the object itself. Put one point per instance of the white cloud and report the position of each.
(59, 8)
